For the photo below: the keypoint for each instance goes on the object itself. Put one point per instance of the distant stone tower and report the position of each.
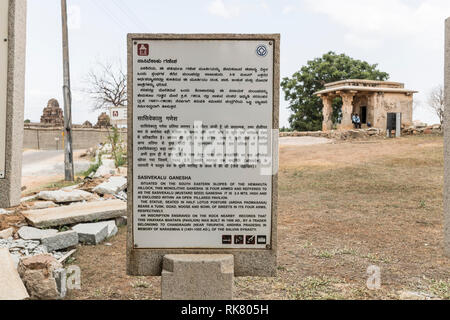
(103, 121)
(53, 114)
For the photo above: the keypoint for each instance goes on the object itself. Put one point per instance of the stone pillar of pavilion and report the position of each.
(327, 112)
(347, 109)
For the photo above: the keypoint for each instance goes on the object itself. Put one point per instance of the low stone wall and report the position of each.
(337, 134)
(435, 129)
(363, 133)
(45, 138)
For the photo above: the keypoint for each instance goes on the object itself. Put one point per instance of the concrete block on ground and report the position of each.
(91, 233)
(12, 287)
(61, 196)
(30, 233)
(197, 277)
(112, 228)
(112, 186)
(7, 233)
(61, 240)
(77, 213)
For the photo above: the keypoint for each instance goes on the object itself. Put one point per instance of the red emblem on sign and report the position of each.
(143, 49)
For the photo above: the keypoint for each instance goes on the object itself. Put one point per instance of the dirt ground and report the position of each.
(44, 167)
(342, 208)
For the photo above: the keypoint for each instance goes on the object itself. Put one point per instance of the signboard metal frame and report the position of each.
(248, 262)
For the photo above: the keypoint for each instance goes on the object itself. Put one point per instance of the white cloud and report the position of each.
(219, 8)
(375, 20)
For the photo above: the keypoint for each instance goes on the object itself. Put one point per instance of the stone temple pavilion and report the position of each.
(371, 100)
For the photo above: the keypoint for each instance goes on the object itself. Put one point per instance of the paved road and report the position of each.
(49, 163)
(302, 141)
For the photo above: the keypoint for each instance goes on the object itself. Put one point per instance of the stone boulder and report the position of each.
(39, 275)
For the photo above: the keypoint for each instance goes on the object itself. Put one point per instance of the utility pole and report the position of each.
(68, 152)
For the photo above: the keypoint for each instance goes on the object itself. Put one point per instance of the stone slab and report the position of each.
(247, 262)
(10, 186)
(61, 240)
(61, 196)
(42, 205)
(197, 277)
(12, 287)
(112, 186)
(91, 233)
(30, 233)
(77, 213)
(447, 141)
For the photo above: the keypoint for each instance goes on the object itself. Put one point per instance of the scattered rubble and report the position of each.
(91, 212)
(38, 276)
(12, 287)
(22, 248)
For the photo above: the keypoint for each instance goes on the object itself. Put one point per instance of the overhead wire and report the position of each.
(130, 14)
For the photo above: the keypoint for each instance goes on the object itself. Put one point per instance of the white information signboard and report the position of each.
(118, 115)
(202, 143)
(3, 81)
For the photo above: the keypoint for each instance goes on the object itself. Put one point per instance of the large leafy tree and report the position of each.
(299, 89)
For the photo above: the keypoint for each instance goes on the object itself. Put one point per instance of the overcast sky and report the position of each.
(405, 37)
